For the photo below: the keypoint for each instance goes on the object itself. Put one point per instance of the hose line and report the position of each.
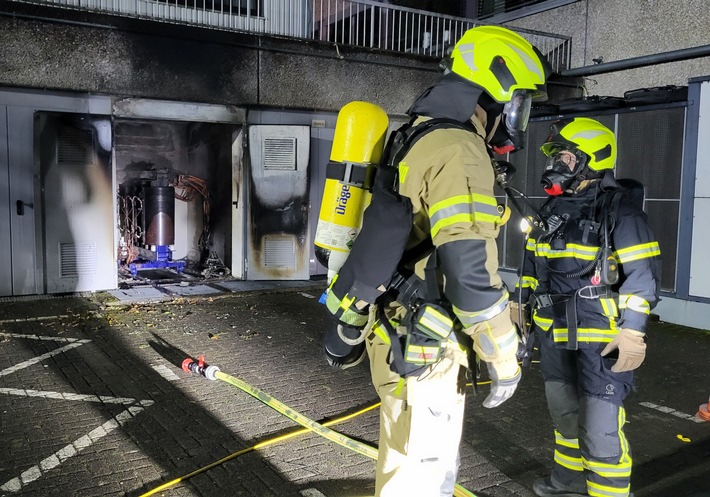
(213, 373)
(258, 446)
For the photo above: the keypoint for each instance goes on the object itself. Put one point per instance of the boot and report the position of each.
(547, 487)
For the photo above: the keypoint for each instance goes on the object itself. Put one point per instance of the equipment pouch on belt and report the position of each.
(412, 353)
(421, 349)
(433, 321)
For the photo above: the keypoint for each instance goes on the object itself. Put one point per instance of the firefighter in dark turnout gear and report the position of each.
(591, 275)
(446, 180)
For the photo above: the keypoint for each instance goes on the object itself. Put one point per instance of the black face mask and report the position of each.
(501, 142)
(557, 176)
(516, 114)
(509, 136)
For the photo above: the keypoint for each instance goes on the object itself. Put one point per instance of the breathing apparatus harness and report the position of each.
(423, 298)
(429, 319)
(557, 179)
(382, 277)
(604, 268)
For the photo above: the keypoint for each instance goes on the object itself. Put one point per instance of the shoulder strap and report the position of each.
(406, 136)
(431, 272)
(611, 208)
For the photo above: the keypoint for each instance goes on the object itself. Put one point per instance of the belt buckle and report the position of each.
(592, 292)
(543, 300)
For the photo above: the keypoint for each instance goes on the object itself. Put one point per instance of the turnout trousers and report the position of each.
(421, 419)
(585, 400)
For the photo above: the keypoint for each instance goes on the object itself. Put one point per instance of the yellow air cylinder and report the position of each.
(359, 141)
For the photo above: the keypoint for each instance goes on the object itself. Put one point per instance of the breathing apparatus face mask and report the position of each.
(563, 166)
(501, 143)
(516, 114)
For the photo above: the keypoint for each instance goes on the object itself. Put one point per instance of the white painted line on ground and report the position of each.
(42, 337)
(42, 357)
(165, 372)
(673, 412)
(51, 462)
(21, 392)
(311, 492)
(307, 295)
(30, 475)
(39, 318)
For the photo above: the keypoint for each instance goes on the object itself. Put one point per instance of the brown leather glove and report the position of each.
(515, 315)
(632, 350)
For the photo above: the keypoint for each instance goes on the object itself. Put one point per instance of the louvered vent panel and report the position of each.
(74, 146)
(279, 251)
(77, 259)
(280, 154)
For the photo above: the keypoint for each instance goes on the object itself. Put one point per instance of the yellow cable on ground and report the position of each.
(322, 430)
(213, 373)
(258, 446)
(332, 435)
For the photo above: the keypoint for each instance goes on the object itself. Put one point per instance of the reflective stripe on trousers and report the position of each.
(590, 441)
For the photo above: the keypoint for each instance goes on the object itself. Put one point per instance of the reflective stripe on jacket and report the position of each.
(559, 265)
(448, 177)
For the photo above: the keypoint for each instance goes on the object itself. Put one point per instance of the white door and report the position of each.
(26, 218)
(78, 198)
(277, 218)
(19, 261)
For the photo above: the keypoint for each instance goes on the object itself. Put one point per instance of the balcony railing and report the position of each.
(372, 24)
(363, 23)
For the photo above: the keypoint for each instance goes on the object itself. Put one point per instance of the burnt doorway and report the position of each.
(174, 197)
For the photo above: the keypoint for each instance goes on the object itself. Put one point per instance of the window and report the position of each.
(488, 8)
(254, 8)
(499, 11)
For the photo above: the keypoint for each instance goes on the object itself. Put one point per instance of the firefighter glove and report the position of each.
(632, 350)
(505, 376)
(520, 318)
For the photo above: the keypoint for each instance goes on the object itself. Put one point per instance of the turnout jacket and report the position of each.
(448, 177)
(556, 267)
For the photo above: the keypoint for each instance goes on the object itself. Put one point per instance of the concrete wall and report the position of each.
(615, 30)
(140, 58)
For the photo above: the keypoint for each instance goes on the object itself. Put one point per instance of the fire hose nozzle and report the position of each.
(200, 367)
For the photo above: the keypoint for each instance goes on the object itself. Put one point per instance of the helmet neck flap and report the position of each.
(453, 97)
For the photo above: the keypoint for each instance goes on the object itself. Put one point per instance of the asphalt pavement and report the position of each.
(93, 402)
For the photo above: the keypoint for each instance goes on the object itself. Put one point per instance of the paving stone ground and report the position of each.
(93, 403)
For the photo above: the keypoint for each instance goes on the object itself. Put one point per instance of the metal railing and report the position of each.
(363, 23)
(372, 24)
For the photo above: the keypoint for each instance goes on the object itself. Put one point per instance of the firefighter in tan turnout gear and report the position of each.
(421, 283)
(592, 277)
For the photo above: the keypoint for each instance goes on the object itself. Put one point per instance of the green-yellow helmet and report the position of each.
(586, 135)
(499, 61)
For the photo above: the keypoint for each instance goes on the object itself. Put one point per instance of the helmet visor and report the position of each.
(553, 148)
(517, 111)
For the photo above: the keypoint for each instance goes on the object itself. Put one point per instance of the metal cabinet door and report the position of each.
(78, 198)
(277, 221)
(5, 235)
(18, 206)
